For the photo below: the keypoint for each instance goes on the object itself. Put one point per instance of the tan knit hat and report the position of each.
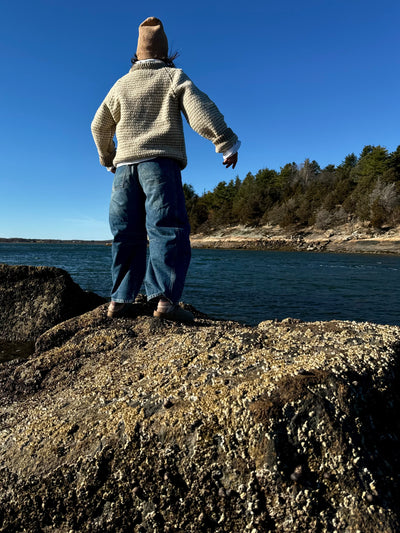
(152, 42)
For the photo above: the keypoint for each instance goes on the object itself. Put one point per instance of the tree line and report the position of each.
(364, 188)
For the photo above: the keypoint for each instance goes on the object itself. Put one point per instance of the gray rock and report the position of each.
(141, 425)
(34, 299)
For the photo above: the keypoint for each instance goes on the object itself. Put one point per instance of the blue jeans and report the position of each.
(147, 200)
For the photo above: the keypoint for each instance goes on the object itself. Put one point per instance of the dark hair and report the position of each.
(169, 61)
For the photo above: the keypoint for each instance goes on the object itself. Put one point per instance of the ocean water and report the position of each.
(250, 286)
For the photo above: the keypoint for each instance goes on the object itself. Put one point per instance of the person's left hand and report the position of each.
(231, 160)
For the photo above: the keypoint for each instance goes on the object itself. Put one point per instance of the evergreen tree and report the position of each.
(365, 187)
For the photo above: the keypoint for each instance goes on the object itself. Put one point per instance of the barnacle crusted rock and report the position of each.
(137, 424)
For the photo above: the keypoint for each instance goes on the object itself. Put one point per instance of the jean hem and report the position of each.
(122, 301)
(158, 295)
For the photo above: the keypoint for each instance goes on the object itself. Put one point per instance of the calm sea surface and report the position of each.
(250, 286)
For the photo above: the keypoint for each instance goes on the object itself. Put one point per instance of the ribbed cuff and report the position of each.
(232, 150)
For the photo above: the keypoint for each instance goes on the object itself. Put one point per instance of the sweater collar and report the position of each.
(148, 63)
(144, 61)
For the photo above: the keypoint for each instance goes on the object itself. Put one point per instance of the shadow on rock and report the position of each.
(34, 299)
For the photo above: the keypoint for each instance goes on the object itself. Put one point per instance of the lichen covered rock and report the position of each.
(141, 425)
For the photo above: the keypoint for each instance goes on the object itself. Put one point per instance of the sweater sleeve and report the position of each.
(103, 130)
(203, 115)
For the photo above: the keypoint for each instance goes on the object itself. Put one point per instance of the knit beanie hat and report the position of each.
(152, 42)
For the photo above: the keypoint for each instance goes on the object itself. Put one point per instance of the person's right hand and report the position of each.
(231, 160)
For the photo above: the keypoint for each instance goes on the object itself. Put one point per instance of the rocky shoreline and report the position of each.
(351, 238)
(141, 425)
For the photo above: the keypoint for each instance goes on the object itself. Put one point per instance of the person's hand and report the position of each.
(231, 160)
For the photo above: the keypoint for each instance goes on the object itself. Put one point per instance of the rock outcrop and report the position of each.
(34, 299)
(349, 238)
(141, 425)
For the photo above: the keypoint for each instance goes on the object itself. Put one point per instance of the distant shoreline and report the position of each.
(350, 238)
(53, 241)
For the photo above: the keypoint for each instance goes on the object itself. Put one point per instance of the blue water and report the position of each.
(250, 286)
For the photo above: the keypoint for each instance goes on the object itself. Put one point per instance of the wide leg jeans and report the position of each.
(147, 200)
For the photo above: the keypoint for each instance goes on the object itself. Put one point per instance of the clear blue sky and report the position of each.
(315, 79)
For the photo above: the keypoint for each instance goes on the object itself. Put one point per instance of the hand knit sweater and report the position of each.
(144, 109)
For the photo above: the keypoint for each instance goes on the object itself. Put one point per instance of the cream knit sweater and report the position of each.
(144, 109)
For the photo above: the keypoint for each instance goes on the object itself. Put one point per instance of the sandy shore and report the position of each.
(350, 238)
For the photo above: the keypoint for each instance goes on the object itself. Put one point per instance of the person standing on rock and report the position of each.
(144, 110)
